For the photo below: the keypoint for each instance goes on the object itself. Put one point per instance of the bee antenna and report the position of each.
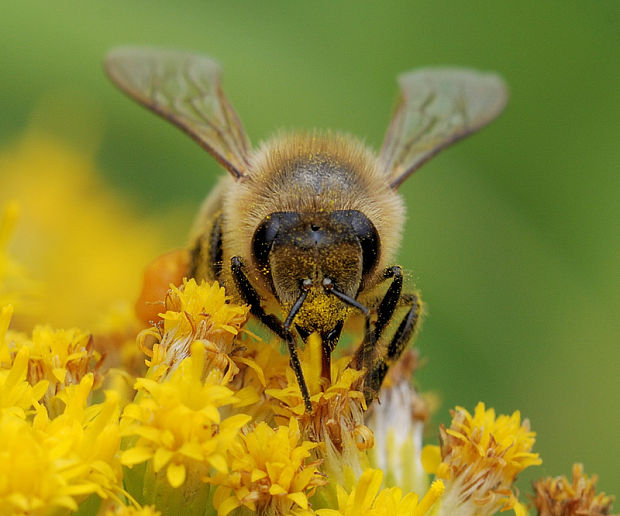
(305, 288)
(328, 285)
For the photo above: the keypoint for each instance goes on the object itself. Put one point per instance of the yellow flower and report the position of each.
(90, 243)
(481, 456)
(324, 395)
(57, 358)
(559, 497)
(262, 367)
(17, 396)
(62, 357)
(195, 312)
(56, 464)
(32, 479)
(366, 499)
(88, 433)
(270, 473)
(337, 418)
(177, 423)
(16, 287)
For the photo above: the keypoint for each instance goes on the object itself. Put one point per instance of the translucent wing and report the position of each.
(184, 89)
(437, 107)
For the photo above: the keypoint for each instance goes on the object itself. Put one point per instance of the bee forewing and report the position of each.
(185, 89)
(437, 107)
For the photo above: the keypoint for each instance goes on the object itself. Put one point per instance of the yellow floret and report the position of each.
(270, 472)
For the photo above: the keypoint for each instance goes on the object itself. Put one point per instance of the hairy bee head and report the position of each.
(342, 245)
(315, 207)
(298, 251)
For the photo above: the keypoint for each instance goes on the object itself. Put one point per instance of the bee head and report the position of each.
(291, 248)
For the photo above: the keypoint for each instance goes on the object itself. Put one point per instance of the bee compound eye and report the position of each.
(366, 234)
(263, 239)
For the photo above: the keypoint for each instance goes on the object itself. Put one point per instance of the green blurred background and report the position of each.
(513, 236)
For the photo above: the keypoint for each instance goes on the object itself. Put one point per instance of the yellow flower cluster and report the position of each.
(195, 313)
(177, 422)
(215, 422)
(481, 456)
(270, 472)
(337, 419)
(52, 458)
(83, 245)
(280, 460)
(15, 287)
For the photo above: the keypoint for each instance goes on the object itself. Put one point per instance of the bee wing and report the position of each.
(437, 107)
(184, 89)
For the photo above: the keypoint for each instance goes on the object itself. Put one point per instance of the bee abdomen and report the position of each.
(206, 255)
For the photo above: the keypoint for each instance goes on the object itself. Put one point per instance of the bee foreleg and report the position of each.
(299, 374)
(385, 311)
(251, 297)
(376, 374)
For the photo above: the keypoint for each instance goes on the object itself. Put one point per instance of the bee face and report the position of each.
(297, 251)
(310, 222)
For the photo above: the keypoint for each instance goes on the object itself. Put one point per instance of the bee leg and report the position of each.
(385, 311)
(299, 374)
(329, 340)
(251, 297)
(376, 374)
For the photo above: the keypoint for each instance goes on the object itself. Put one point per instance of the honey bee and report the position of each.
(305, 227)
